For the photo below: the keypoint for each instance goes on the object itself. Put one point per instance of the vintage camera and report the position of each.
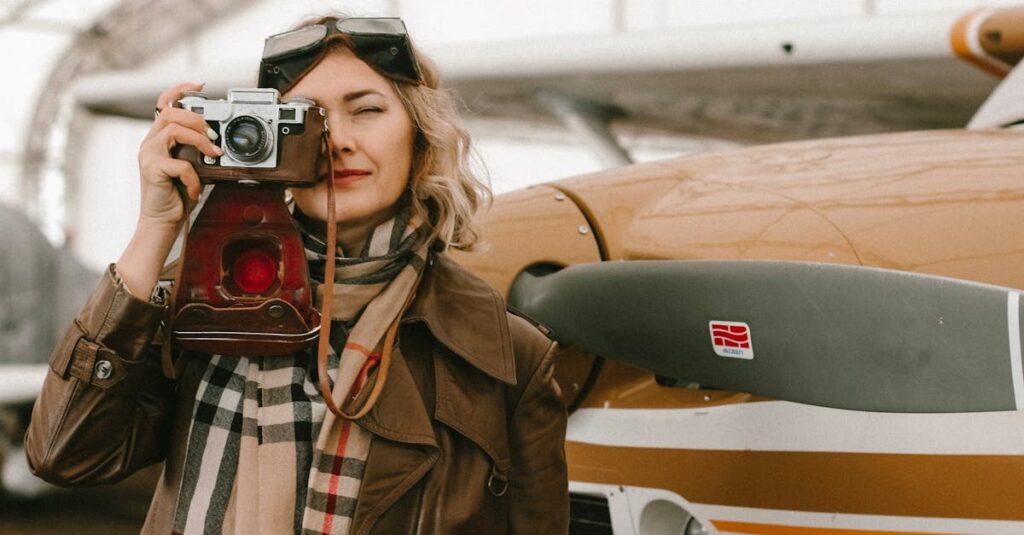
(263, 139)
(244, 284)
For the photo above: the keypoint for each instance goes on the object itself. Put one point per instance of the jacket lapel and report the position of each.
(404, 447)
(468, 318)
(449, 301)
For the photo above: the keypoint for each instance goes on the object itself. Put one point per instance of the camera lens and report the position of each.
(247, 139)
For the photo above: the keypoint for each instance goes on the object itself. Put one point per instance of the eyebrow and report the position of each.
(360, 94)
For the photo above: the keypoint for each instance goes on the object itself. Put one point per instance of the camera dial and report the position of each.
(247, 139)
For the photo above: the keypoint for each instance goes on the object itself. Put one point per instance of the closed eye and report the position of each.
(368, 109)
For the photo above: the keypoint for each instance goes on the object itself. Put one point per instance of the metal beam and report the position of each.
(123, 37)
(16, 10)
(590, 121)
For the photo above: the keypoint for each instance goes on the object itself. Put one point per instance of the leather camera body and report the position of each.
(243, 287)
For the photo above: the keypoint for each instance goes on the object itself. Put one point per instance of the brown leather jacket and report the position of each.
(469, 429)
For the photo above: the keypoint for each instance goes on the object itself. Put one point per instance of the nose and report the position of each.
(342, 140)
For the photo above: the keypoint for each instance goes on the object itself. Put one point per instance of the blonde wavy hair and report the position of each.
(445, 190)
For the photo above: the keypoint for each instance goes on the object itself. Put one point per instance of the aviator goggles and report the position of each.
(381, 42)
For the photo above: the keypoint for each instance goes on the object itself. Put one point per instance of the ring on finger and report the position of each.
(158, 110)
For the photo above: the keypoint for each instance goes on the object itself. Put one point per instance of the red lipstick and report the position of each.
(346, 176)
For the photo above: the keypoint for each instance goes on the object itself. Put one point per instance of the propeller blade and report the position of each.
(830, 335)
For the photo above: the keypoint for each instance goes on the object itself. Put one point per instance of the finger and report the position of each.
(183, 117)
(176, 134)
(180, 116)
(188, 119)
(184, 172)
(168, 98)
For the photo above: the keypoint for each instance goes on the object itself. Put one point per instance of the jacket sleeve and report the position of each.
(104, 409)
(538, 481)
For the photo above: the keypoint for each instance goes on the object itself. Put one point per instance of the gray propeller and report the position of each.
(836, 336)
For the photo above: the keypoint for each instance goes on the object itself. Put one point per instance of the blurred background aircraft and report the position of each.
(550, 90)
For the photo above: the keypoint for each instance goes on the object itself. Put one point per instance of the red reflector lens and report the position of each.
(254, 271)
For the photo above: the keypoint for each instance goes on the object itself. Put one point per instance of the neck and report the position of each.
(351, 238)
(351, 235)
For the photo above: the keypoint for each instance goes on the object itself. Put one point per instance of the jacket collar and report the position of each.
(448, 299)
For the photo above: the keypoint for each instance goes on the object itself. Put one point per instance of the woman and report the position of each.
(467, 432)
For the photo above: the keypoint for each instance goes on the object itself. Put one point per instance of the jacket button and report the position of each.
(103, 369)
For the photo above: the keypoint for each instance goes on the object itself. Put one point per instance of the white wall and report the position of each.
(106, 206)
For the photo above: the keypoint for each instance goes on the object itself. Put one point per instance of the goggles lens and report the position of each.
(381, 42)
(385, 26)
(286, 44)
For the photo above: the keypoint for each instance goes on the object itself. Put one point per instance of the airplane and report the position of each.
(859, 255)
(694, 294)
(654, 452)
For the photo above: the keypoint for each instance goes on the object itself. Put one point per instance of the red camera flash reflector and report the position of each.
(254, 271)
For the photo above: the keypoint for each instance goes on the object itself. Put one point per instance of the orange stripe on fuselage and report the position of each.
(938, 486)
(775, 529)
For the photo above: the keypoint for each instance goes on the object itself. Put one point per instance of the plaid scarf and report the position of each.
(264, 454)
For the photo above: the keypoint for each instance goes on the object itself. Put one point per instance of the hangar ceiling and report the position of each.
(102, 35)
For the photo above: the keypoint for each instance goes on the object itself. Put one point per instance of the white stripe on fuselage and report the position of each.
(1013, 324)
(840, 521)
(784, 426)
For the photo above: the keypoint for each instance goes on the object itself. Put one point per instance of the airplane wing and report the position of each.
(757, 82)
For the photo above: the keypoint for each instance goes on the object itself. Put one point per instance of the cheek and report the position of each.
(396, 140)
(311, 201)
(396, 158)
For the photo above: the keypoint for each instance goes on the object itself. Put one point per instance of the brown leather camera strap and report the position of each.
(328, 295)
(172, 369)
(385, 365)
(325, 323)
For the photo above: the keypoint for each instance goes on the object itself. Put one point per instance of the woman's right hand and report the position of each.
(161, 212)
(161, 205)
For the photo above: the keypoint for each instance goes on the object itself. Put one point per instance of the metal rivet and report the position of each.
(285, 130)
(275, 311)
(583, 229)
(394, 51)
(559, 196)
(103, 369)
